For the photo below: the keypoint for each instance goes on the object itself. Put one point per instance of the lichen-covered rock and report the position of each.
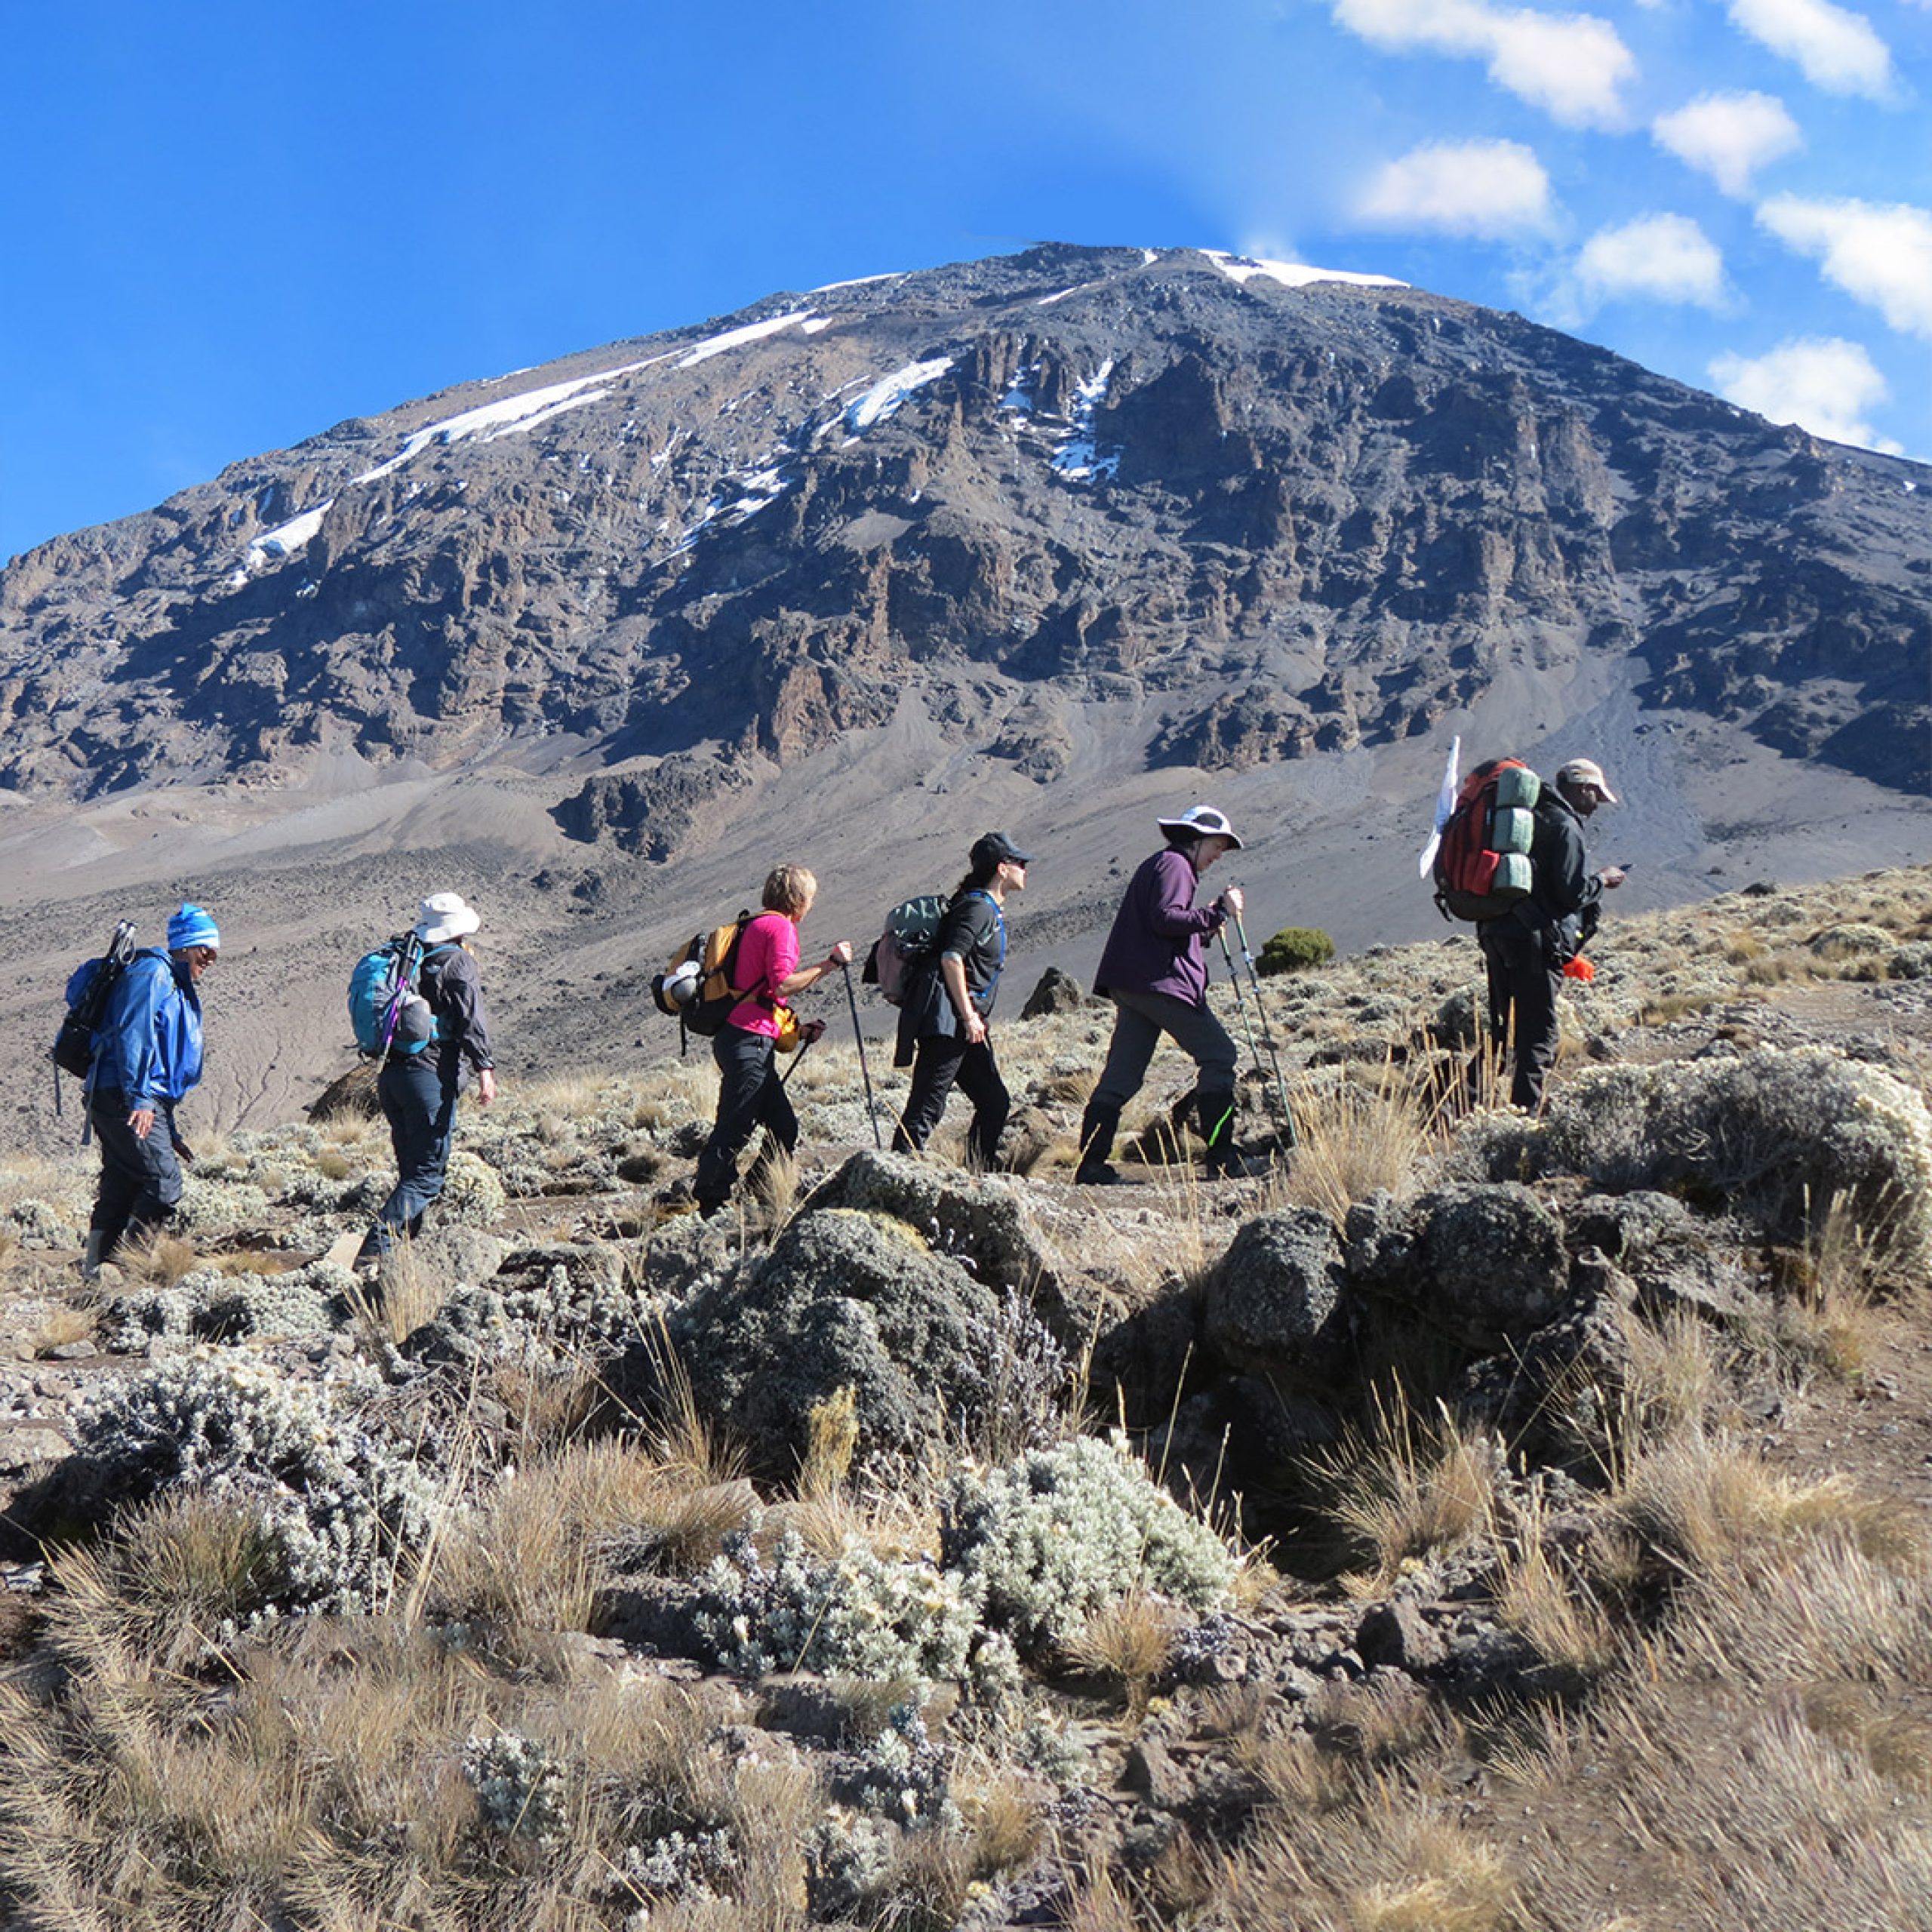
(847, 1299)
(1494, 1259)
(1277, 1300)
(1775, 1136)
(981, 1221)
(1556, 1395)
(1482, 1262)
(453, 1254)
(1674, 1259)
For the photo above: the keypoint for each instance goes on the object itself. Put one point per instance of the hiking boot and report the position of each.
(1098, 1173)
(1234, 1166)
(1098, 1126)
(90, 1258)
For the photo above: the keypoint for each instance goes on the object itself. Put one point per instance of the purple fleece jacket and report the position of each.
(1155, 946)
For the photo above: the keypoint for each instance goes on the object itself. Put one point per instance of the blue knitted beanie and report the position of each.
(192, 926)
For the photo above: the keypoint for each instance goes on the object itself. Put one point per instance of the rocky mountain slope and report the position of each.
(1058, 540)
(1307, 517)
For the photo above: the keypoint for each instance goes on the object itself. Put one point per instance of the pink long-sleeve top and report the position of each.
(767, 957)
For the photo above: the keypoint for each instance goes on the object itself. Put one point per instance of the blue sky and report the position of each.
(229, 227)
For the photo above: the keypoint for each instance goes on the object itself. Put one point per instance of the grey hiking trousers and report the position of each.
(1140, 1020)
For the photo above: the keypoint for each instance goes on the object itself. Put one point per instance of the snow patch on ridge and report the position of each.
(1077, 458)
(512, 415)
(284, 540)
(1291, 275)
(716, 345)
(889, 392)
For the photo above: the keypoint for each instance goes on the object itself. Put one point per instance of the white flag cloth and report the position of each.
(1445, 803)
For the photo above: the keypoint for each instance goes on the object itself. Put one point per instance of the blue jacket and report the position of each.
(149, 1045)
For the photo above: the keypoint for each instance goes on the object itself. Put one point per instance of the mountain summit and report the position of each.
(1268, 511)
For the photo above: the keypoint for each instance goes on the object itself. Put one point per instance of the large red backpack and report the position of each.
(1482, 866)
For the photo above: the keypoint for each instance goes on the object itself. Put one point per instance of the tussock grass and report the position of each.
(61, 1326)
(1550, 1602)
(526, 1560)
(1411, 1487)
(159, 1257)
(1375, 1130)
(1129, 1642)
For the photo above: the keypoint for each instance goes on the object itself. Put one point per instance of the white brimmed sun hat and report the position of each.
(1201, 821)
(445, 917)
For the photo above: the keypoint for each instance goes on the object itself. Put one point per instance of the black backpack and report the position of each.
(74, 1044)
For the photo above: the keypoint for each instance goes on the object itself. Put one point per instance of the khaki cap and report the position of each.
(1587, 771)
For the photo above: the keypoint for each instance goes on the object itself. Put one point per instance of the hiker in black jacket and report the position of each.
(942, 1026)
(1526, 948)
(418, 1091)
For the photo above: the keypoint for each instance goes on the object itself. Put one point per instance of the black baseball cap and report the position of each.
(995, 848)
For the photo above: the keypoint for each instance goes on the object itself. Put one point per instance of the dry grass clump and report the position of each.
(365, 1775)
(1709, 1505)
(161, 1258)
(403, 1297)
(1550, 1601)
(1785, 1829)
(1128, 1642)
(1412, 1487)
(526, 1562)
(61, 1326)
(1375, 1128)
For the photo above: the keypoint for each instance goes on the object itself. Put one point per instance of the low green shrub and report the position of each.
(1295, 949)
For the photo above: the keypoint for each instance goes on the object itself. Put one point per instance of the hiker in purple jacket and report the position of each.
(1154, 972)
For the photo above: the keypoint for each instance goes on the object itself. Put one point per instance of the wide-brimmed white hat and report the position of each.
(1201, 821)
(445, 917)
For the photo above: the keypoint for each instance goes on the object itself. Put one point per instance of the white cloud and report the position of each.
(1489, 189)
(1659, 257)
(1570, 65)
(1880, 253)
(1728, 137)
(1820, 383)
(1833, 48)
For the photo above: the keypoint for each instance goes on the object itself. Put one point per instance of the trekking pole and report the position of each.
(852, 1000)
(1267, 1031)
(805, 1047)
(1241, 998)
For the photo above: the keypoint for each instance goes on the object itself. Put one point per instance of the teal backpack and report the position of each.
(388, 1016)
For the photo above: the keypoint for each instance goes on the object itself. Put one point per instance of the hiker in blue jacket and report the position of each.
(1153, 971)
(147, 1055)
(418, 1091)
(942, 1026)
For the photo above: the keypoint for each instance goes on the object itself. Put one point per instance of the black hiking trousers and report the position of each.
(943, 1061)
(750, 1095)
(1525, 970)
(140, 1180)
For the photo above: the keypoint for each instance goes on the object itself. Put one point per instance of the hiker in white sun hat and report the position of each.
(418, 1091)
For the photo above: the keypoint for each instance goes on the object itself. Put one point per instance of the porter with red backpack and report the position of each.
(1518, 869)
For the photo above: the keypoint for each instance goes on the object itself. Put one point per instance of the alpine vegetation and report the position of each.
(1463, 1516)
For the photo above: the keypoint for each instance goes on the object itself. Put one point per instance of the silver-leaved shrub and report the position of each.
(1056, 1535)
(344, 1510)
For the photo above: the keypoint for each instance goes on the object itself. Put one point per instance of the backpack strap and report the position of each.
(999, 925)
